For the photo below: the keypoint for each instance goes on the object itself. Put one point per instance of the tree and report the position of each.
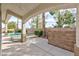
(11, 25)
(69, 18)
(34, 23)
(17, 23)
(63, 19)
(57, 15)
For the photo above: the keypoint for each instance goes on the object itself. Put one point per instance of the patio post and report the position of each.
(6, 28)
(76, 46)
(0, 29)
(23, 33)
(43, 23)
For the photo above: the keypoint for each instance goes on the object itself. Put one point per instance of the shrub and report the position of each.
(36, 32)
(10, 30)
(19, 30)
(39, 33)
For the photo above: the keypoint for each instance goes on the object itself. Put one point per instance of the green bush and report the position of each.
(10, 31)
(39, 33)
(36, 32)
(19, 30)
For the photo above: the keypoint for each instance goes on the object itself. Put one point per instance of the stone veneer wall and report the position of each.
(62, 37)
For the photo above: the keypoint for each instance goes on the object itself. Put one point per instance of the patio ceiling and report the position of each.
(26, 10)
(17, 9)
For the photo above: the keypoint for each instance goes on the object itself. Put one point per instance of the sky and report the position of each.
(48, 18)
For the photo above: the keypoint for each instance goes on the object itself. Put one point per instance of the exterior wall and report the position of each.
(76, 50)
(62, 37)
(77, 28)
(76, 46)
(30, 31)
(0, 29)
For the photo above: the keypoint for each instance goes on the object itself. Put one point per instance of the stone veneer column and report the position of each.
(23, 33)
(76, 46)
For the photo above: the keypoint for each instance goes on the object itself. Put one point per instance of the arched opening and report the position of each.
(11, 30)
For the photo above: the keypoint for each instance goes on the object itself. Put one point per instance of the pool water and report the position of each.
(13, 34)
(10, 37)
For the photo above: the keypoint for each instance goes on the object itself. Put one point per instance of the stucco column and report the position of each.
(43, 18)
(23, 33)
(0, 29)
(6, 28)
(76, 46)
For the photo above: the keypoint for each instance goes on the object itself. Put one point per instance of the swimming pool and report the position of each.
(12, 37)
(13, 34)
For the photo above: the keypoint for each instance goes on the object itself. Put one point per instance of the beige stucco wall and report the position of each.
(0, 30)
(77, 27)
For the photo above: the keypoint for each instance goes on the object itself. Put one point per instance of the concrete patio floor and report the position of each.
(34, 47)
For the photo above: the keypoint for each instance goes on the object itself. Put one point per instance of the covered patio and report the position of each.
(34, 47)
(40, 46)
